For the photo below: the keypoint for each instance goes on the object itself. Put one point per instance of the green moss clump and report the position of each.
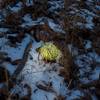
(49, 52)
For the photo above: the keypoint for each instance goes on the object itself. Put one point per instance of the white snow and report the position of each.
(36, 70)
(3, 29)
(11, 68)
(17, 7)
(95, 74)
(15, 53)
(42, 20)
(56, 5)
(56, 27)
(29, 22)
(88, 44)
(29, 2)
(75, 94)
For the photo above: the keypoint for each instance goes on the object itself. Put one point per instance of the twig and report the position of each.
(22, 63)
(20, 66)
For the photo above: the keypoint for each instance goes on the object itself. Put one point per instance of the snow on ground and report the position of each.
(86, 63)
(16, 53)
(28, 22)
(37, 72)
(55, 5)
(16, 7)
(13, 52)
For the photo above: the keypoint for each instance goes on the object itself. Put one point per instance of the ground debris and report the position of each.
(73, 26)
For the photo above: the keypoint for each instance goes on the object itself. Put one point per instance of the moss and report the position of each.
(49, 52)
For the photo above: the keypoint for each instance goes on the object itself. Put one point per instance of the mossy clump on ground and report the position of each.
(49, 52)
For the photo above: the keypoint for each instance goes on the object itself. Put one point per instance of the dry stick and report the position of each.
(21, 65)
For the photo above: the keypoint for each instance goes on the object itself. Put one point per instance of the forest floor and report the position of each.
(25, 26)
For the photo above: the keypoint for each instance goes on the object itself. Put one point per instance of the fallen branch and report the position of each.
(22, 63)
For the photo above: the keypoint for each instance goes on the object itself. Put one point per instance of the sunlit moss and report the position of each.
(49, 51)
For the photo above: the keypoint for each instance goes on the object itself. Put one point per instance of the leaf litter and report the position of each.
(24, 75)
